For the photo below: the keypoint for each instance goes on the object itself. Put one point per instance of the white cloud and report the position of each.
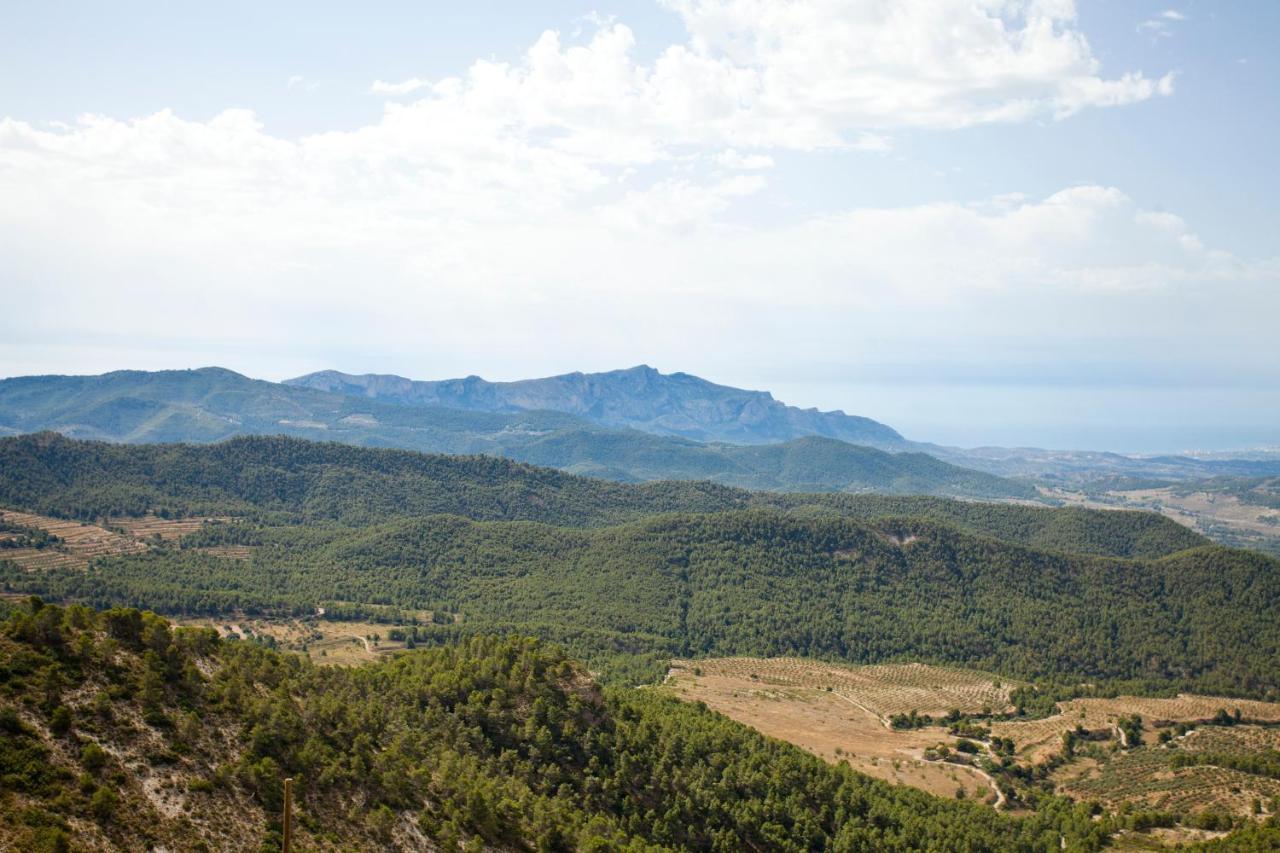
(873, 142)
(579, 200)
(801, 75)
(678, 204)
(732, 159)
(1160, 26)
(404, 87)
(820, 69)
(481, 248)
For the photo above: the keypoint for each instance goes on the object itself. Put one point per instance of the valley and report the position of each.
(671, 426)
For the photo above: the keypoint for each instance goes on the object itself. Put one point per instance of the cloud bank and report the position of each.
(580, 208)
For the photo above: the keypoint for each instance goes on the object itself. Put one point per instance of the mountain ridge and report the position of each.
(640, 397)
(213, 404)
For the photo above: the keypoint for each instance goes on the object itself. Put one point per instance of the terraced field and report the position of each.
(841, 714)
(231, 552)
(151, 526)
(43, 559)
(1147, 777)
(82, 542)
(1038, 739)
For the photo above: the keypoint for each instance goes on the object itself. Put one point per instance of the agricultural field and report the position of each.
(77, 543)
(230, 552)
(842, 713)
(1040, 739)
(153, 527)
(1150, 776)
(881, 690)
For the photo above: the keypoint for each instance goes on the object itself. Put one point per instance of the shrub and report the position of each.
(93, 757)
(103, 803)
(60, 720)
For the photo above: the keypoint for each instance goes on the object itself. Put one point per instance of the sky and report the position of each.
(1013, 222)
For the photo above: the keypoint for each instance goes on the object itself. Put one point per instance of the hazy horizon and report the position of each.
(898, 405)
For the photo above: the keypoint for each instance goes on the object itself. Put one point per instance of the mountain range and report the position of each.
(679, 404)
(629, 425)
(212, 404)
(675, 404)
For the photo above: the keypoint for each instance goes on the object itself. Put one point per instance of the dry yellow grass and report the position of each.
(787, 698)
(882, 690)
(840, 713)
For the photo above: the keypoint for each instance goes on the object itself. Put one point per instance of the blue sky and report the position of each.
(1030, 223)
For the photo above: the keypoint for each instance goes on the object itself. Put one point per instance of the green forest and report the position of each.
(627, 576)
(495, 741)
(490, 731)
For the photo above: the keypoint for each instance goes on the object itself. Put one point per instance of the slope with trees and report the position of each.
(125, 733)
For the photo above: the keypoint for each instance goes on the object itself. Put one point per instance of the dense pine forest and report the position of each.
(639, 573)
(116, 728)
(292, 480)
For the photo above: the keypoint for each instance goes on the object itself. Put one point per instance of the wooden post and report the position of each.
(288, 813)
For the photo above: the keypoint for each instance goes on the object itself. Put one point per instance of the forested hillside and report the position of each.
(293, 480)
(757, 582)
(117, 730)
(644, 572)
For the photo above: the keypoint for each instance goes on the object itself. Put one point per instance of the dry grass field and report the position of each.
(788, 698)
(82, 542)
(881, 690)
(841, 713)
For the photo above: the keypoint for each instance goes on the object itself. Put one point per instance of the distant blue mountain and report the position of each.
(212, 404)
(676, 404)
